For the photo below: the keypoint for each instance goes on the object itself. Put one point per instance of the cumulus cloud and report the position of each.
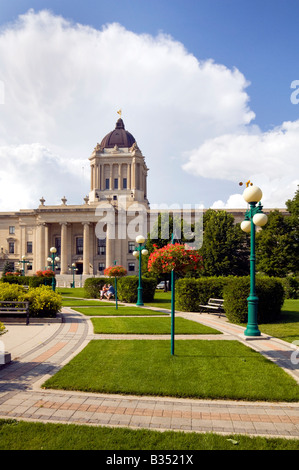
(269, 159)
(64, 82)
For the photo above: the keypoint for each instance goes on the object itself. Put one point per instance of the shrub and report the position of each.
(43, 302)
(11, 292)
(269, 291)
(190, 293)
(93, 285)
(291, 287)
(32, 281)
(127, 289)
(2, 329)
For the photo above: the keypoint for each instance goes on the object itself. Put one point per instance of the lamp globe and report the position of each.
(252, 194)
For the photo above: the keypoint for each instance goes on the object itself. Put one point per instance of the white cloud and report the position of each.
(269, 160)
(64, 82)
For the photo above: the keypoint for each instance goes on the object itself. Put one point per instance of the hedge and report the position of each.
(93, 285)
(269, 291)
(190, 293)
(127, 289)
(43, 302)
(31, 281)
(291, 286)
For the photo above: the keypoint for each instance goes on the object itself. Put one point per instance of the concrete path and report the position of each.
(40, 349)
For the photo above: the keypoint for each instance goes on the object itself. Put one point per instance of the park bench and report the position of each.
(214, 305)
(9, 308)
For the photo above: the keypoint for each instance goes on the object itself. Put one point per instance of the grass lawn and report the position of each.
(199, 369)
(121, 310)
(157, 326)
(287, 328)
(84, 303)
(21, 435)
(162, 300)
(72, 292)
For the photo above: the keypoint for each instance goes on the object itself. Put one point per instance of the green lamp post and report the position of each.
(139, 251)
(24, 261)
(254, 216)
(73, 269)
(52, 258)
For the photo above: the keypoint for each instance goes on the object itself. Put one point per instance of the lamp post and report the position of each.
(254, 216)
(24, 261)
(172, 305)
(52, 258)
(73, 269)
(140, 250)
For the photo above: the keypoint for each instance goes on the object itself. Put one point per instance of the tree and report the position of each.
(277, 244)
(225, 247)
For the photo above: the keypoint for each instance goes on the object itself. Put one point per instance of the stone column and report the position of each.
(63, 255)
(86, 248)
(40, 249)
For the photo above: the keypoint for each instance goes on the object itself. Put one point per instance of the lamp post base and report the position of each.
(139, 297)
(252, 326)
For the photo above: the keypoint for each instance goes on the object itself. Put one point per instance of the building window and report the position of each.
(29, 247)
(58, 246)
(101, 246)
(115, 183)
(79, 246)
(11, 247)
(124, 183)
(131, 247)
(101, 267)
(11, 229)
(131, 267)
(107, 183)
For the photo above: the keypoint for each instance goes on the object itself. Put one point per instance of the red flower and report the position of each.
(174, 257)
(115, 271)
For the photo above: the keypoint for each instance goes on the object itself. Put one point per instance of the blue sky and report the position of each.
(259, 38)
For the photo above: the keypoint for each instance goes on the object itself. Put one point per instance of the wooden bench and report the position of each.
(214, 305)
(12, 308)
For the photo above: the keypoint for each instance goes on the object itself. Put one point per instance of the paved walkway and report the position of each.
(40, 349)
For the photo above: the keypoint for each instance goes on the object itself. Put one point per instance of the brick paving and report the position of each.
(21, 395)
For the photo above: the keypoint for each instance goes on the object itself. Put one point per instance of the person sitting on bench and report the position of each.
(103, 291)
(110, 292)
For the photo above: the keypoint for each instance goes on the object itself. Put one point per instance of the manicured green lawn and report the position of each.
(287, 328)
(121, 310)
(153, 326)
(199, 369)
(162, 300)
(85, 303)
(20, 435)
(72, 292)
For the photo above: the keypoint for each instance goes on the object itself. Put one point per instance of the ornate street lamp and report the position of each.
(140, 250)
(73, 269)
(52, 258)
(254, 216)
(24, 261)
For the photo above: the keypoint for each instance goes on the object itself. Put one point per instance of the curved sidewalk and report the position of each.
(39, 350)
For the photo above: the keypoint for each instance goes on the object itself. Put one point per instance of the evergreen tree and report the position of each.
(225, 247)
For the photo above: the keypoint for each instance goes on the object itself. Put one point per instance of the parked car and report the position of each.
(161, 285)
